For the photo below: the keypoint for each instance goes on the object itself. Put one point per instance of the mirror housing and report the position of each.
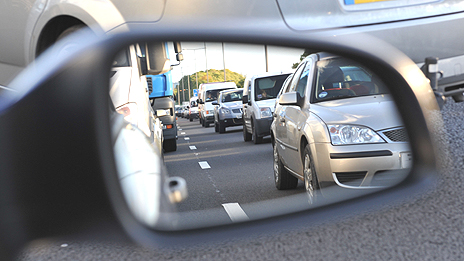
(156, 60)
(53, 205)
(215, 103)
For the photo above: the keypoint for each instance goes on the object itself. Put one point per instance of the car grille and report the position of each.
(386, 178)
(237, 110)
(397, 135)
(351, 178)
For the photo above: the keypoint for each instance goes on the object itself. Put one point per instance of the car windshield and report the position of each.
(212, 95)
(232, 96)
(340, 78)
(269, 87)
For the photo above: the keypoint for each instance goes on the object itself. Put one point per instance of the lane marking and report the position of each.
(235, 212)
(182, 133)
(193, 147)
(186, 138)
(204, 165)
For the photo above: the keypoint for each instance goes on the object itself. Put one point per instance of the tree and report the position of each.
(305, 53)
(213, 76)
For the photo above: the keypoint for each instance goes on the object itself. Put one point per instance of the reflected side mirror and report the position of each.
(245, 99)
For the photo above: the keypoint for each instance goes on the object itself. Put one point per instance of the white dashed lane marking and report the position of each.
(235, 212)
(186, 138)
(193, 147)
(204, 165)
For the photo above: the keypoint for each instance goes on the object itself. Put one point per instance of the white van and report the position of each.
(207, 93)
(129, 91)
(259, 96)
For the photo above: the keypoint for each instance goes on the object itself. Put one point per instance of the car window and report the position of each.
(300, 87)
(122, 59)
(341, 78)
(211, 95)
(232, 96)
(286, 85)
(268, 87)
(296, 77)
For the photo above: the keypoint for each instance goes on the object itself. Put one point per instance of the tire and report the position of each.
(246, 135)
(191, 119)
(310, 176)
(170, 145)
(222, 127)
(282, 178)
(256, 139)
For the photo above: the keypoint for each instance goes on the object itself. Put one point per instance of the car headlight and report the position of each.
(225, 111)
(352, 134)
(266, 112)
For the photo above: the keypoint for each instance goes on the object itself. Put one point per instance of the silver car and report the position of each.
(336, 125)
(228, 110)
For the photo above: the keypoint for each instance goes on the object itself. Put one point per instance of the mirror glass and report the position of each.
(290, 129)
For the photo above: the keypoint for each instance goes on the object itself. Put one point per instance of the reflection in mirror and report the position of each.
(295, 130)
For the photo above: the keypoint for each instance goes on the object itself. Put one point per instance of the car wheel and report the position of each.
(191, 119)
(310, 177)
(246, 135)
(256, 139)
(283, 179)
(222, 127)
(170, 145)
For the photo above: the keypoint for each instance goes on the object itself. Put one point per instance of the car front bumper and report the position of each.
(363, 166)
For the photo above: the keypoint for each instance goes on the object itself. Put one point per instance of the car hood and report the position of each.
(267, 103)
(377, 112)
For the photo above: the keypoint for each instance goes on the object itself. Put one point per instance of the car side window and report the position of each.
(296, 77)
(303, 80)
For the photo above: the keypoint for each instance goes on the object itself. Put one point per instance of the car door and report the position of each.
(247, 108)
(295, 117)
(282, 121)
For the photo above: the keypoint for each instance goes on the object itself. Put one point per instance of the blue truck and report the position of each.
(162, 98)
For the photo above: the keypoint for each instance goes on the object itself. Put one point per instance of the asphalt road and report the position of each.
(427, 227)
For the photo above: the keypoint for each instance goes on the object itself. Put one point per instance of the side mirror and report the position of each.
(161, 113)
(291, 98)
(245, 99)
(215, 103)
(200, 101)
(44, 203)
(157, 61)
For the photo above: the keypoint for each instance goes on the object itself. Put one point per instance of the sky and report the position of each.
(240, 58)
